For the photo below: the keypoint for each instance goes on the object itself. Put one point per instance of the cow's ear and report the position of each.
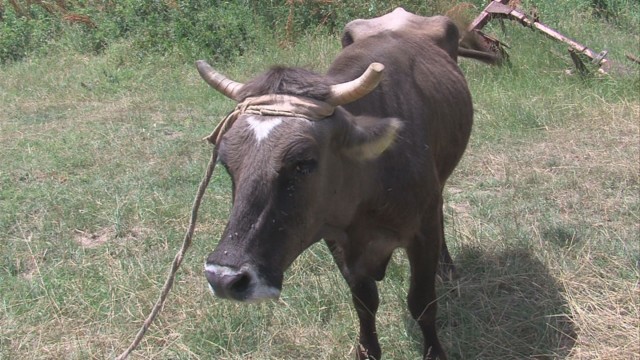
(367, 137)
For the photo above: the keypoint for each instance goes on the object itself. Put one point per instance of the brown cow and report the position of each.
(347, 157)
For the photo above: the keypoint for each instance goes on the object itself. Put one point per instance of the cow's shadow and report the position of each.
(503, 306)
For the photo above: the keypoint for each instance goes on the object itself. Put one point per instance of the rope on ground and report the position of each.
(186, 242)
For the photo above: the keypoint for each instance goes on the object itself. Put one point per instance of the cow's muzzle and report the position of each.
(240, 284)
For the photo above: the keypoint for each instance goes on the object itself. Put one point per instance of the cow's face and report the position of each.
(289, 182)
(291, 176)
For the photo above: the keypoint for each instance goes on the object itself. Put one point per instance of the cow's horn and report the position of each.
(224, 85)
(355, 89)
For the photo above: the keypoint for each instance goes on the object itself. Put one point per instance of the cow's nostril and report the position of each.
(229, 283)
(241, 284)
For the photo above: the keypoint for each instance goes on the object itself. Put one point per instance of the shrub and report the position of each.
(24, 30)
(222, 29)
(213, 29)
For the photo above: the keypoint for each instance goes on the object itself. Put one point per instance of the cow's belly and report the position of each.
(363, 252)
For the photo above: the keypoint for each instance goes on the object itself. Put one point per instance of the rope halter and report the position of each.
(273, 105)
(286, 105)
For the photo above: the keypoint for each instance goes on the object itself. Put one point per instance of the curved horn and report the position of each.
(224, 85)
(355, 89)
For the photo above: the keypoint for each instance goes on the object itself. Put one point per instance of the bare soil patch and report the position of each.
(108, 234)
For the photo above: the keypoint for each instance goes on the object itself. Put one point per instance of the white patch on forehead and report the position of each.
(262, 127)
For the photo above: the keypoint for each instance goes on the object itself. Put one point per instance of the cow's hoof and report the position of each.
(362, 353)
(447, 272)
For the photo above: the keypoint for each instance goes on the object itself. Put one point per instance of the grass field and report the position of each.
(102, 154)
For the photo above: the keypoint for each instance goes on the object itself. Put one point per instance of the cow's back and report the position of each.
(424, 87)
(441, 30)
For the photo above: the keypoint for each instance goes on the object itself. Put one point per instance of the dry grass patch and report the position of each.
(564, 204)
(607, 310)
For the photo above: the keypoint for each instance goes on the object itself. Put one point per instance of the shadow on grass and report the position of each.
(504, 306)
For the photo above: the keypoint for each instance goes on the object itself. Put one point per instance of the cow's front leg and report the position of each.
(364, 293)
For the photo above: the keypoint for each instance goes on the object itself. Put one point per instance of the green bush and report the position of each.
(221, 32)
(22, 33)
(219, 29)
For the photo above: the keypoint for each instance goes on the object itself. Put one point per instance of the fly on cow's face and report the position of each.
(300, 159)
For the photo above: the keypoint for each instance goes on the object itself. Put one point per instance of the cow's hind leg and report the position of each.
(446, 269)
(423, 258)
(364, 293)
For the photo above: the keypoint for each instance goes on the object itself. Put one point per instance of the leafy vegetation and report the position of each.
(219, 29)
(223, 28)
(100, 138)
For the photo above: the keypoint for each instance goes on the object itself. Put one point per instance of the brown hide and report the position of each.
(367, 179)
(427, 90)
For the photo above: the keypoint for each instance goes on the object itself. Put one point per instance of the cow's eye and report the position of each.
(305, 167)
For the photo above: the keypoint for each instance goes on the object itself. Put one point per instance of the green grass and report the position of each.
(102, 154)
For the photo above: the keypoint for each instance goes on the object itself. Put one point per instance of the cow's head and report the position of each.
(289, 148)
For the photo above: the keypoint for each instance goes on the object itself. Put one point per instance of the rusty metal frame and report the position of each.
(499, 9)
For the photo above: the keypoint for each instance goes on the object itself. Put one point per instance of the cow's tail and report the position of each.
(484, 56)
